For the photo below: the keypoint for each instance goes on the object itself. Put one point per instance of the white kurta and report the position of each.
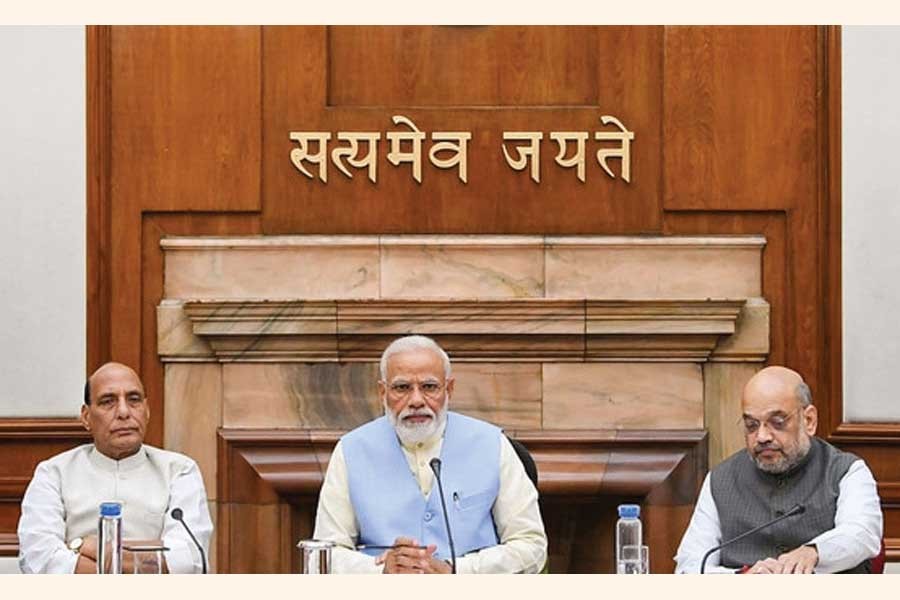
(62, 503)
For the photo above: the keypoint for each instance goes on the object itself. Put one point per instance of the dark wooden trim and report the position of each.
(866, 433)
(9, 544)
(42, 428)
(99, 129)
(830, 222)
(892, 549)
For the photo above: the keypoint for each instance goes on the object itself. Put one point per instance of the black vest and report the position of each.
(747, 497)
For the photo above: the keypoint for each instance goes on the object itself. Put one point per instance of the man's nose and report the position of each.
(763, 434)
(416, 398)
(122, 411)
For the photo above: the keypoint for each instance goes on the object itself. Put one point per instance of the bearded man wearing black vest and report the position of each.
(784, 465)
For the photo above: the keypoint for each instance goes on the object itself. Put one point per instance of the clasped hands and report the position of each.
(801, 560)
(408, 557)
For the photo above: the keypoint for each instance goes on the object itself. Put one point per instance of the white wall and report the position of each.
(871, 222)
(42, 220)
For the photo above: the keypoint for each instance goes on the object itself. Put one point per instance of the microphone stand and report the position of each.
(799, 509)
(436, 467)
(178, 515)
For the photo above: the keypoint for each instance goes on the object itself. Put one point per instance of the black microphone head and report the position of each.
(799, 509)
(177, 514)
(436, 466)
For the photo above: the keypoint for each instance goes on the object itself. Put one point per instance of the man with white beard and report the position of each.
(378, 503)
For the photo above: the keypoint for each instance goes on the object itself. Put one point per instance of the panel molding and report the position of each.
(527, 329)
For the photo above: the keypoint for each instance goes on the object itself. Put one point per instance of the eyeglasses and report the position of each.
(773, 423)
(429, 389)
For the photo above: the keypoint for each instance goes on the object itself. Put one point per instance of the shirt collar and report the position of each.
(101, 461)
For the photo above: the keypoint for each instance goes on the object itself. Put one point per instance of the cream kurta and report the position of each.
(62, 503)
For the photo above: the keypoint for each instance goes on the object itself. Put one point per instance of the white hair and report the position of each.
(804, 395)
(412, 342)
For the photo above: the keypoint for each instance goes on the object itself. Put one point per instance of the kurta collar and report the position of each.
(135, 461)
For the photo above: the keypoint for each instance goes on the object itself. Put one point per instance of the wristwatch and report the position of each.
(76, 544)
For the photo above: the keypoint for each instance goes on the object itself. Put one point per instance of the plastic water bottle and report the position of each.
(629, 535)
(109, 539)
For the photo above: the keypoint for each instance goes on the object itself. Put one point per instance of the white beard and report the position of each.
(415, 433)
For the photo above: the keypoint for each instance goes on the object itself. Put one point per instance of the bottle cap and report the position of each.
(629, 511)
(111, 509)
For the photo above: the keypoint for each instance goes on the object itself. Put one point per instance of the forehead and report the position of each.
(420, 362)
(762, 401)
(113, 379)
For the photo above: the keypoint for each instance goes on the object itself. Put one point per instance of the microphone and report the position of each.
(798, 509)
(178, 515)
(436, 467)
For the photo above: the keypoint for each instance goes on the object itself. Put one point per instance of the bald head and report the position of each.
(777, 384)
(110, 369)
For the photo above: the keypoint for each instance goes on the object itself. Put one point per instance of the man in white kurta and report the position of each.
(57, 530)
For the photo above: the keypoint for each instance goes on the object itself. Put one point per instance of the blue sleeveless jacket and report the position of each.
(386, 496)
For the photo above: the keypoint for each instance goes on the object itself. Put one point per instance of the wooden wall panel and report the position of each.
(185, 117)
(740, 125)
(389, 67)
(623, 71)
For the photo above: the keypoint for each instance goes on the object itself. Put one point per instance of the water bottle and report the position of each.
(109, 539)
(629, 540)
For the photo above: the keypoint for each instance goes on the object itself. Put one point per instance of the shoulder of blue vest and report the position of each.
(472, 421)
(373, 424)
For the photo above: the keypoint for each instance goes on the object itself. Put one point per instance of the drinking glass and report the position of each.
(147, 559)
(635, 560)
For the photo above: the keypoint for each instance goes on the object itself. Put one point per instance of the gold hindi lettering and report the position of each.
(624, 137)
(530, 153)
(449, 149)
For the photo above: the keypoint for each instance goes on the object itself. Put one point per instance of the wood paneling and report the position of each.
(444, 66)
(622, 70)
(185, 115)
(99, 130)
(740, 121)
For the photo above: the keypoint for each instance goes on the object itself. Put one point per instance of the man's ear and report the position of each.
(810, 419)
(450, 383)
(86, 416)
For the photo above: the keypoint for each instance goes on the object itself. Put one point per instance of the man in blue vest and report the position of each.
(784, 465)
(379, 502)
